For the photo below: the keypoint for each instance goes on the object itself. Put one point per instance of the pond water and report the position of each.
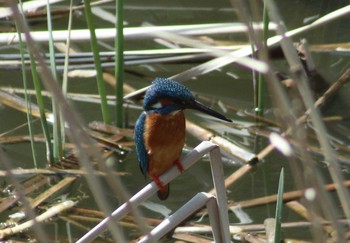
(231, 84)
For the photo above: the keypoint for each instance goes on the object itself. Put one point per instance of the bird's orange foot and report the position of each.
(179, 165)
(158, 182)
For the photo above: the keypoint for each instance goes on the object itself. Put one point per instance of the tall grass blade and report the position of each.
(40, 101)
(27, 97)
(279, 207)
(119, 62)
(99, 74)
(57, 141)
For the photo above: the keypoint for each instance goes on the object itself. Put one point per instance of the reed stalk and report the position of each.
(99, 73)
(119, 63)
(57, 136)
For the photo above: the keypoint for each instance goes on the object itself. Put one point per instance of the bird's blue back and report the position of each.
(141, 151)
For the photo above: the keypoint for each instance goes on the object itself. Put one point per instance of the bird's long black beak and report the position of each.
(196, 105)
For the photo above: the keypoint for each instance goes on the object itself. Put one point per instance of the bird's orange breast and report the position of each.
(164, 139)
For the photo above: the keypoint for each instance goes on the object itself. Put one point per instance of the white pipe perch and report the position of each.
(196, 203)
(217, 207)
(218, 212)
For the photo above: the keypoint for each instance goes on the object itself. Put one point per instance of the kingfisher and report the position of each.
(160, 130)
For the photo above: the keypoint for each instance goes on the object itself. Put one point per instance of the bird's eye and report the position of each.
(157, 105)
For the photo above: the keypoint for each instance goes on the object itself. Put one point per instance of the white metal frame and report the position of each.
(217, 206)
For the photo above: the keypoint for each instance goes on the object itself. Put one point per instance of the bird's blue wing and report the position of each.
(141, 151)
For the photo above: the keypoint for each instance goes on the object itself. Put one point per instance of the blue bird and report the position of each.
(160, 129)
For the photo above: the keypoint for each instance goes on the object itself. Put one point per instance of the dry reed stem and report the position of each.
(191, 238)
(269, 224)
(88, 212)
(254, 238)
(111, 80)
(21, 139)
(71, 221)
(90, 215)
(240, 228)
(13, 90)
(30, 185)
(106, 140)
(53, 189)
(49, 213)
(18, 103)
(302, 211)
(87, 219)
(110, 129)
(287, 196)
(330, 47)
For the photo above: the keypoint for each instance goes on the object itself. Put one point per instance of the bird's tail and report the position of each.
(163, 192)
